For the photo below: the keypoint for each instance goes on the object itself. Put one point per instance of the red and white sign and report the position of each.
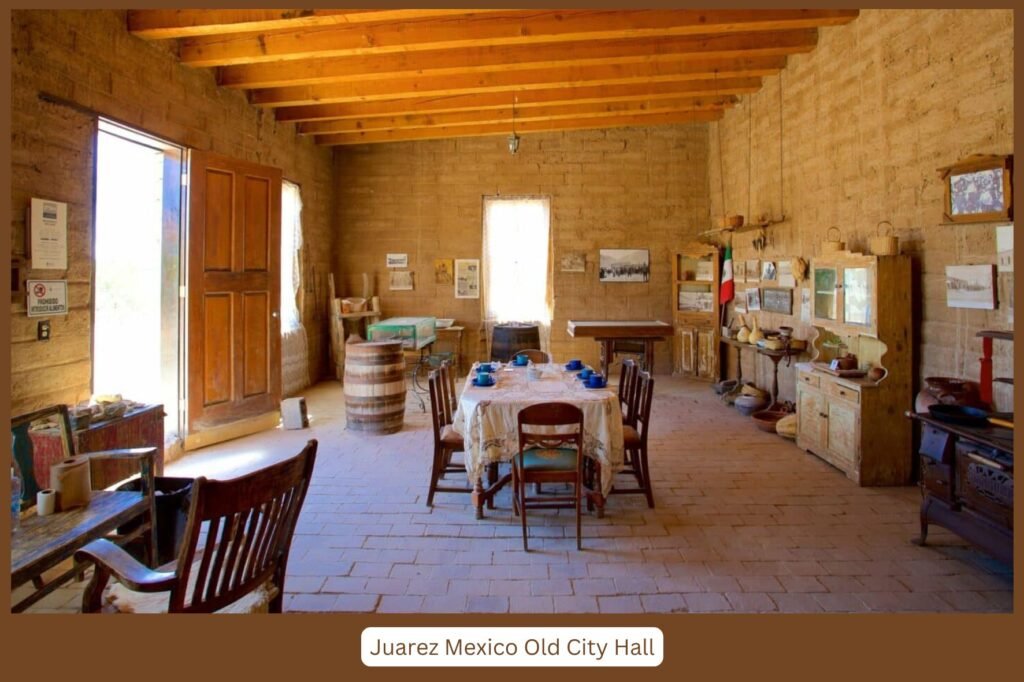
(47, 297)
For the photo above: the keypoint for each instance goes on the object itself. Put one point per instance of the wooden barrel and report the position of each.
(512, 337)
(375, 386)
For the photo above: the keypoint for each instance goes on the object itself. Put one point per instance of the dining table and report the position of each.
(486, 418)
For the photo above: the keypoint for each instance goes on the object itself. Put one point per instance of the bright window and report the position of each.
(516, 239)
(291, 241)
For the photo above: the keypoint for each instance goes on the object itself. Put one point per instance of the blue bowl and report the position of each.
(574, 365)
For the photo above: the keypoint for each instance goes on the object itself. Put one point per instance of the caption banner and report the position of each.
(512, 647)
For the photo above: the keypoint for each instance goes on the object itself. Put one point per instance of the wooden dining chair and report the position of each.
(627, 390)
(447, 440)
(536, 356)
(546, 457)
(635, 439)
(233, 556)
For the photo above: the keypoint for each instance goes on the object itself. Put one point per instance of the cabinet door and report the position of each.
(826, 293)
(810, 417)
(858, 297)
(844, 431)
(707, 354)
(687, 350)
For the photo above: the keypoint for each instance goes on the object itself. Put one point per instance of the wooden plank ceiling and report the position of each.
(363, 76)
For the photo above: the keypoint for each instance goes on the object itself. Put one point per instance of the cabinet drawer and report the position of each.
(843, 392)
(808, 378)
(984, 481)
(937, 479)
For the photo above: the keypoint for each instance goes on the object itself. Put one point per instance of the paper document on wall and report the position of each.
(48, 227)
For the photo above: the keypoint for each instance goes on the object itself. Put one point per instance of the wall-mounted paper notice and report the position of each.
(48, 229)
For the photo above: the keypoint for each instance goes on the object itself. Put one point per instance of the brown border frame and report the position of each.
(974, 163)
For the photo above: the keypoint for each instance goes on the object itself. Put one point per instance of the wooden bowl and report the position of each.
(766, 419)
(731, 221)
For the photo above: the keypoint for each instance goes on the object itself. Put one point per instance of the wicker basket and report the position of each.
(831, 245)
(887, 244)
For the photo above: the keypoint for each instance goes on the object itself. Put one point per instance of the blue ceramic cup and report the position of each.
(522, 360)
(484, 368)
(575, 364)
(484, 379)
(595, 380)
(586, 373)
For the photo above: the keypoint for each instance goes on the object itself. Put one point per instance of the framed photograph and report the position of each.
(777, 300)
(753, 268)
(784, 274)
(1004, 248)
(753, 299)
(400, 280)
(705, 270)
(444, 271)
(739, 304)
(467, 278)
(978, 189)
(398, 260)
(574, 261)
(768, 271)
(971, 286)
(739, 271)
(696, 301)
(625, 265)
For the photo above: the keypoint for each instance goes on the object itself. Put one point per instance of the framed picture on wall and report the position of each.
(777, 300)
(753, 269)
(625, 265)
(978, 189)
(397, 260)
(971, 286)
(400, 280)
(753, 299)
(467, 278)
(444, 269)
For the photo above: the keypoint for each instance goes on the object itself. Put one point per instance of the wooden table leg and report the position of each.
(649, 355)
(477, 497)
(607, 346)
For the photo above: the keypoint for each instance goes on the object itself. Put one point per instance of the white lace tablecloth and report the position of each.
(487, 418)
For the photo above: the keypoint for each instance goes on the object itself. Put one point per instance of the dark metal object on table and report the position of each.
(511, 337)
(962, 415)
(967, 483)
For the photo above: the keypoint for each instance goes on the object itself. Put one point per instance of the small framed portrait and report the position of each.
(753, 299)
(768, 271)
(978, 189)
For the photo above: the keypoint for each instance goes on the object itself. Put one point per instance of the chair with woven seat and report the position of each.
(535, 356)
(447, 440)
(635, 439)
(548, 457)
(234, 552)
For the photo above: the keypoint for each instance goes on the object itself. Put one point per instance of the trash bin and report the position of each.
(172, 502)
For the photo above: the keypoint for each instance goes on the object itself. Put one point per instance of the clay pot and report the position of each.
(848, 361)
(948, 391)
(749, 404)
(876, 374)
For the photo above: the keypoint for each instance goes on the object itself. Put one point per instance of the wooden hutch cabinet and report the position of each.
(695, 275)
(860, 304)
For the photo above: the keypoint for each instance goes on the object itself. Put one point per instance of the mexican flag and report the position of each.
(728, 290)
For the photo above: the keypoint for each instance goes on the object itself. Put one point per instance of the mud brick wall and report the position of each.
(867, 118)
(89, 59)
(623, 188)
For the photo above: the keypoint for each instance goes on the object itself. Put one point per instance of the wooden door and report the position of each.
(843, 432)
(707, 354)
(810, 422)
(687, 358)
(234, 260)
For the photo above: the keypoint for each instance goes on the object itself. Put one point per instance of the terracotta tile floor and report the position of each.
(745, 522)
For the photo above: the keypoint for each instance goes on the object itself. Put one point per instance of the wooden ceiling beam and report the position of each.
(523, 27)
(439, 132)
(505, 115)
(516, 81)
(525, 99)
(162, 24)
(516, 57)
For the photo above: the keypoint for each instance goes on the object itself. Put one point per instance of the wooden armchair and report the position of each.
(234, 553)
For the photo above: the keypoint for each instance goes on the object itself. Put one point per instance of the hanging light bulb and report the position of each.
(513, 139)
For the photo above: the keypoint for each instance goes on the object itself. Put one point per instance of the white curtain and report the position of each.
(517, 269)
(294, 349)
